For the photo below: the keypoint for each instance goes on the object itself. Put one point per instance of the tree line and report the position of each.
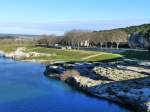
(82, 38)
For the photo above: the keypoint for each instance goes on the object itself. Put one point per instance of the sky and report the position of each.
(59, 16)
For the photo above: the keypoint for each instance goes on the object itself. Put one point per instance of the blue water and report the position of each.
(24, 88)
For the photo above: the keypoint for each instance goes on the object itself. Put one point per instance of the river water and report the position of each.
(24, 88)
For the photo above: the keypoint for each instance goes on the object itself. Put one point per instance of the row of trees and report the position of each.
(78, 38)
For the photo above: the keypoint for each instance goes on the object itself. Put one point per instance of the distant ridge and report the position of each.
(17, 35)
(132, 29)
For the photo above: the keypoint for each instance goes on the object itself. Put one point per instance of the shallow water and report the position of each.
(24, 88)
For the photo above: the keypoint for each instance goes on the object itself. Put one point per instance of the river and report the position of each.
(24, 88)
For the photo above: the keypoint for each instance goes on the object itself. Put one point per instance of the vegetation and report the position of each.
(8, 48)
(48, 40)
(80, 38)
(141, 28)
(107, 38)
(11, 45)
(141, 55)
(71, 55)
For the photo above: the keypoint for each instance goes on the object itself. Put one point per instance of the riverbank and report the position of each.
(124, 83)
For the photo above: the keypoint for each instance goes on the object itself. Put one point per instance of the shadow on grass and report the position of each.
(141, 55)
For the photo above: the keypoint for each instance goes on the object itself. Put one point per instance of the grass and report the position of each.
(141, 55)
(69, 53)
(74, 55)
(61, 55)
(10, 47)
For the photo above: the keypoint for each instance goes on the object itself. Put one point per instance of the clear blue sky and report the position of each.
(58, 16)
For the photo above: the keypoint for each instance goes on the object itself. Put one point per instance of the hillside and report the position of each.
(140, 28)
(135, 36)
(131, 29)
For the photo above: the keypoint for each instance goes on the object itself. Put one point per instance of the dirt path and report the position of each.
(88, 57)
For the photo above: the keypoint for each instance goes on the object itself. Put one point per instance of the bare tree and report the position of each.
(76, 37)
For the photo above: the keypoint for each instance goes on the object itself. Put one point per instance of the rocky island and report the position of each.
(126, 83)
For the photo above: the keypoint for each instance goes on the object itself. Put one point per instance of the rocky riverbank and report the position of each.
(125, 83)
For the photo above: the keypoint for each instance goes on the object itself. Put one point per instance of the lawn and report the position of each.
(10, 47)
(62, 55)
(72, 55)
(75, 55)
(141, 55)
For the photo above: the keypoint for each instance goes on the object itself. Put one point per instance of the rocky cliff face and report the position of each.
(137, 40)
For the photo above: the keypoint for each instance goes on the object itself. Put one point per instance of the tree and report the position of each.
(119, 36)
(48, 40)
(42, 40)
(76, 37)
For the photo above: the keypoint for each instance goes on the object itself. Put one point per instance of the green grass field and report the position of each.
(10, 47)
(74, 55)
(62, 55)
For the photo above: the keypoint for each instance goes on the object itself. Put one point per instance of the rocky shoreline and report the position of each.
(127, 83)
